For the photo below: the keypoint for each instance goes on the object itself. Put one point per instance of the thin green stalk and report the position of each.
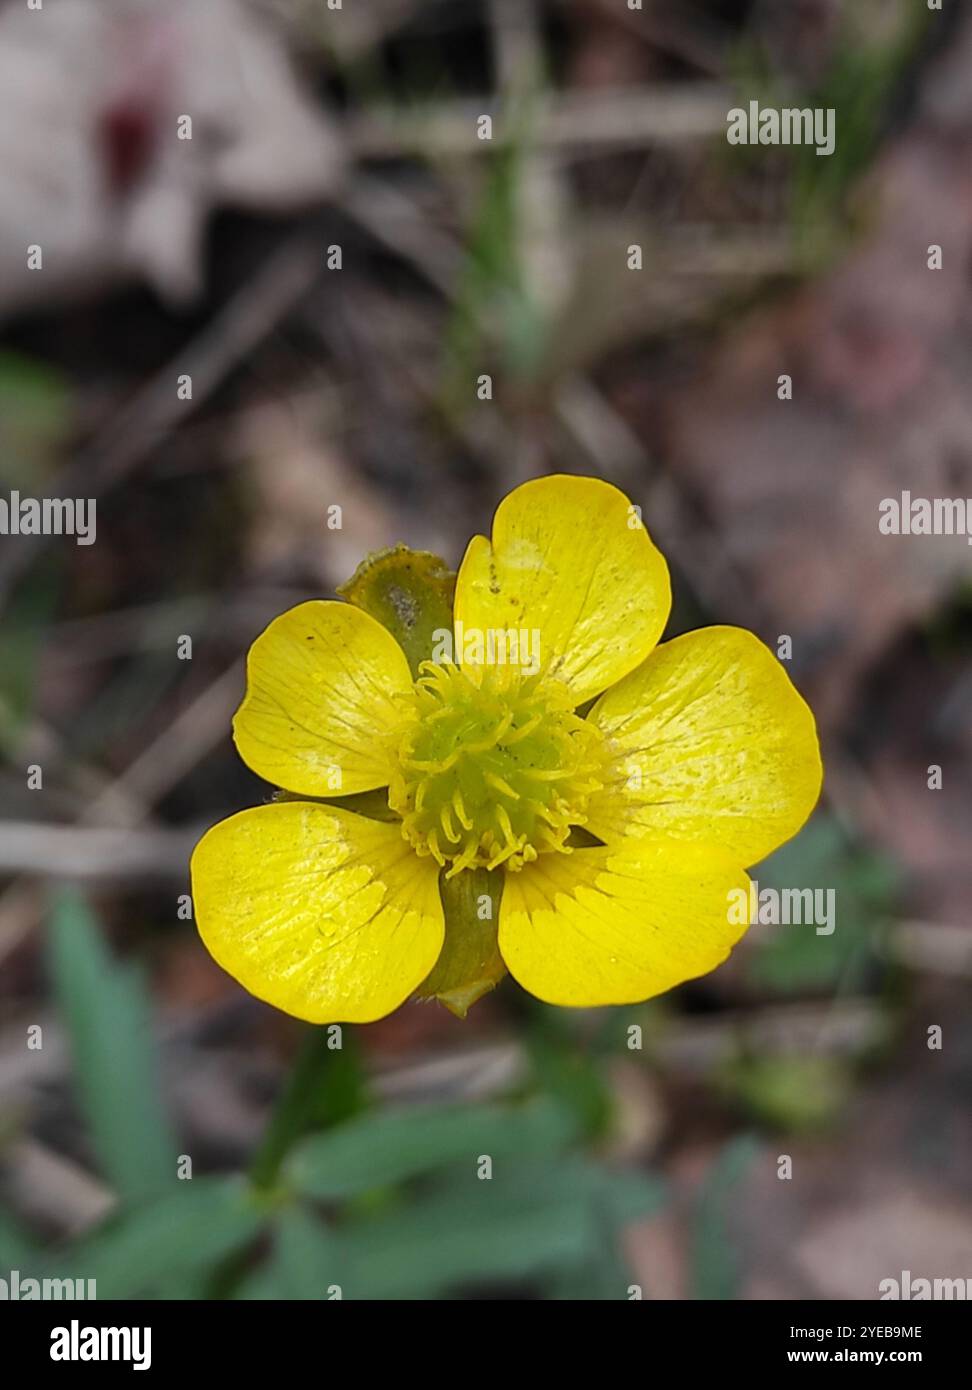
(295, 1109)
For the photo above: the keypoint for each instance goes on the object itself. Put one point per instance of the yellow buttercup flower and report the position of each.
(614, 834)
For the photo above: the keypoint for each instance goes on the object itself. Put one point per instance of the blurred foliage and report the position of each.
(22, 635)
(105, 1007)
(570, 1070)
(36, 415)
(379, 1203)
(858, 85)
(792, 1094)
(865, 66)
(795, 958)
(180, 1234)
(495, 311)
(714, 1271)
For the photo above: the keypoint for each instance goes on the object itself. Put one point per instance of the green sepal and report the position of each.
(410, 592)
(470, 964)
(373, 805)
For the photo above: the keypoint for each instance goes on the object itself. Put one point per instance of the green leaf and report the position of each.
(541, 1214)
(306, 1262)
(489, 1231)
(344, 1091)
(36, 407)
(410, 592)
(619, 1197)
(626, 1196)
(25, 625)
(17, 1250)
(532, 1220)
(566, 1070)
(325, 1086)
(390, 1147)
(497, 313)
(265, 1284)
(795, 957)
(714, 1271)
(795, 1094)
(106, 1010)
(180, 1234)
(470, 964)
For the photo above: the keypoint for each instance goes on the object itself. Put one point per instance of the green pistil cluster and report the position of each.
(495, 772)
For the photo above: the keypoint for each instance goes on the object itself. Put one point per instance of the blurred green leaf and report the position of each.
(17, 1250)
(795, 957)
(344, 1091)
(534, 1219)
(265, 1284)
(325, 1086)
(568, 1071)
(531, 1219)
(618, 1198)
(35, 416)
(497, 310)
(795, 1094)
(714, 1270)
(541, 1211)
(106, 1010)
(445, 1242)
(307, 1259)
(624, 1195)
(390, 1147)
(866, 64)
(25, 624)
(178, 1235)
(858, 84)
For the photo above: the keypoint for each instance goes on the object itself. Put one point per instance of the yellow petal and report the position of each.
(714, 744)
(322, 913)
(570, 560)
(319, 688)
(617, 925)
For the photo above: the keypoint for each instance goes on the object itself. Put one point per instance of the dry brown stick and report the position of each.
(188, 738)
(934, 948)
(614, 448)
(517, 45)
(148, 627)
(76, 852)
(191, 735)
(687, 33)
(395, 221)
(41, 743)
(620, 118)
(51, 1188)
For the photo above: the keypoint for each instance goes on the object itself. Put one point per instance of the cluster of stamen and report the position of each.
(494, 770)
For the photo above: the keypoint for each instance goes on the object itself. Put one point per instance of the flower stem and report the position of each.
(295, 1109)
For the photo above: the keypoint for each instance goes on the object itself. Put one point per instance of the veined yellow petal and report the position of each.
(322, 913)
(616, 925)
(571, 561)
(319, 686)
(714, 744)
